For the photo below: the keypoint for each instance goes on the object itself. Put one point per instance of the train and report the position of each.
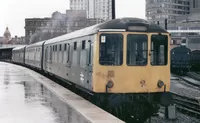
(123, 64)
(192, 42)
(180, 60)
(195, 60)
(186, 57)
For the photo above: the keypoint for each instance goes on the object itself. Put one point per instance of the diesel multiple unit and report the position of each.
(123, 63)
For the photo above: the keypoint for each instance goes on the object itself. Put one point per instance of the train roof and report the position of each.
(180, 48)
(19, 47)
(75, 34)
(121, 24)
(35, 44)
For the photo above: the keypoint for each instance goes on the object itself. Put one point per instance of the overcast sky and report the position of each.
(14, 12)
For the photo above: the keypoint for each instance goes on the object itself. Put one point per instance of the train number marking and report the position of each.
(143, 83)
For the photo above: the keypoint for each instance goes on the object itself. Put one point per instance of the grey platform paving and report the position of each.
(28, 97)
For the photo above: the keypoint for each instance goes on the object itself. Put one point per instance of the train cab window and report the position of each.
(159, 50)
(137, 49)
(111, 49)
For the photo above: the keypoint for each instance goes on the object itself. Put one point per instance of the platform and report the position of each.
(28, 97)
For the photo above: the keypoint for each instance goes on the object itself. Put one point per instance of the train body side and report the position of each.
(195, 60)
(34, 56)
(18, 55)
(71, 60)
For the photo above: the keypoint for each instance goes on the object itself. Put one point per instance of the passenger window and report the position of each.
(137, 49)
(159, 49)
(111, 49)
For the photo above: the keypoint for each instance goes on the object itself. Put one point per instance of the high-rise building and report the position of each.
(102, 9)
(78, 4)
(195, 6)
(159, 10)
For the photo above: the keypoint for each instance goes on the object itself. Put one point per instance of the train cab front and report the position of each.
(130, 62)
(132, 68)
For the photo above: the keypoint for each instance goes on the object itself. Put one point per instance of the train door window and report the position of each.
(65, 54)
(51, 54)
(65, 47)
(159, 50)
(55, 47)
(83, 44)
(55, 54)
(75, 45)
(111, 49)
(60, 54)
(60, 47)
(90, 52)
(68, 55)
(137, 49)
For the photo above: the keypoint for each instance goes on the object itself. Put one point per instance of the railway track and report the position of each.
(190, 80)
(187, 105)
(195, 75)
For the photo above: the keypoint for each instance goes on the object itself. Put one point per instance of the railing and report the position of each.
(183, 31)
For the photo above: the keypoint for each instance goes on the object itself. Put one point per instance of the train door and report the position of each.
(46, 58)
(159, 60)
(89, 63)
(68, 60)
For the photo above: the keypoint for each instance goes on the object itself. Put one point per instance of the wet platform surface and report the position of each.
(28, 97)
(22, 99)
